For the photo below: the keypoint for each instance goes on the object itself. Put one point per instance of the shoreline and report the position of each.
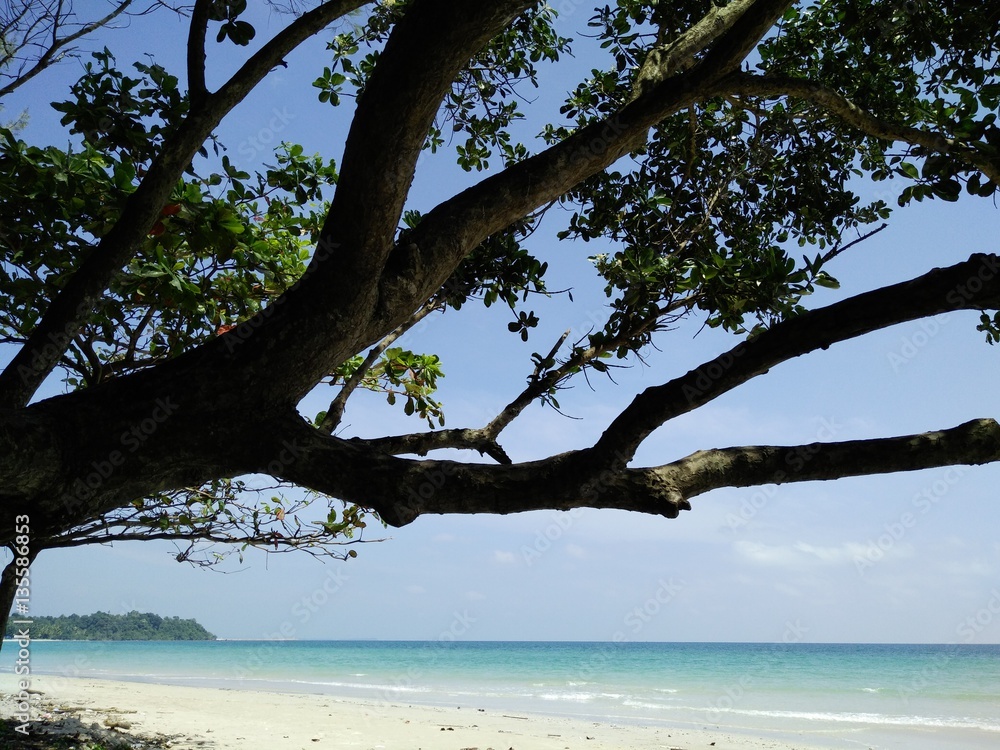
(213, 718)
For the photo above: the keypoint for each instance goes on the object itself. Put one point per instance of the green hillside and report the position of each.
(103, 626)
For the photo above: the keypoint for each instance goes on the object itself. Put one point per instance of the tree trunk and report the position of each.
(8, 588)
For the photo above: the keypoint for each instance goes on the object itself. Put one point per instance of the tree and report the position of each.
(192, 306)
(102, 626)
(36, 35)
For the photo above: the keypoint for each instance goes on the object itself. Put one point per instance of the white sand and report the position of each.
(218, 719)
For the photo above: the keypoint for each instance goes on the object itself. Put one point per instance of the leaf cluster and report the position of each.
(400, 374)
(103, 626)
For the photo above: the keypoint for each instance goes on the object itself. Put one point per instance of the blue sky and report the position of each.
(909, 557)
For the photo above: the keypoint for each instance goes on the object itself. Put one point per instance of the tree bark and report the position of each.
(39, 355)
(8, 589)
(74, 457)
(228, 407)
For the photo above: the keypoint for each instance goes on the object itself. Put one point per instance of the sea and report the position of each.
(911, 697)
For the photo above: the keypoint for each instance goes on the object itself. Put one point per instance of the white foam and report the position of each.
(869, 718)
(574, 697)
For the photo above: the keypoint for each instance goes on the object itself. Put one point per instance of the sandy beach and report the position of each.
(202, 718)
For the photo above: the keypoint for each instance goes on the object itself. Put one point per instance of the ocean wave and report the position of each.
(869, 718)
(385, 688)
(640, 704)
(574, 697)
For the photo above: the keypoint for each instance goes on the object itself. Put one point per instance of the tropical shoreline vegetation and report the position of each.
(104, 626)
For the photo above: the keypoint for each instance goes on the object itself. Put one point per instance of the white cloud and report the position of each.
(803, 553)
(475, 596)
(575, 550)
(504, 558)
(444, 538)
(846, 552)
(784, 588)
(416, 590)
(765, 554)
(966, 568)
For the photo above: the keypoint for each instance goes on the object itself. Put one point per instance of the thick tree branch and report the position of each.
(35, 360)
(842, 107)
(197, 91)
(975, 442)
(400, 102)
(742, 36)
(971, 285)
(46, 478)
(326, 317)
(672, 57)
(448, 232)
(400, 490)
(335, 301)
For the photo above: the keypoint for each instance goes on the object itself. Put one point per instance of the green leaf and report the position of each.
(827, 281)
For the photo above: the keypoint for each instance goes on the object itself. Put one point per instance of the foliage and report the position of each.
(226, 244)
(103, 626)
(729, 207)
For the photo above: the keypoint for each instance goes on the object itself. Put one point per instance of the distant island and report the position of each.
(103, 626)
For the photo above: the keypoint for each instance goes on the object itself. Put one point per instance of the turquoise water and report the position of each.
(879, 696)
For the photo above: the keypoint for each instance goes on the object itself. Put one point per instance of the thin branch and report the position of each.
(839, 249)
(423, 443)
(484, 439)
(852, 114)
(335, 413)
(48, 57)
(971, 285)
